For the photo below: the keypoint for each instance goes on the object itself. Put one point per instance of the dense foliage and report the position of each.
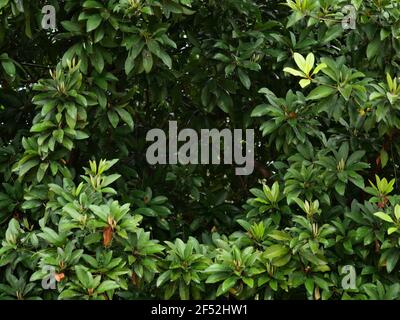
(324, 101)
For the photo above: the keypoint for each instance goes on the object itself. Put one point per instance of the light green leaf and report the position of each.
(294, 72)
(300, 61)
(383, 216)
(304, 82)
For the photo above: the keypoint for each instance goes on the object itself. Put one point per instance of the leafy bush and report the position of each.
(324, 196)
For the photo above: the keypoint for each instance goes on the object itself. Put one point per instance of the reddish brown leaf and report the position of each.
(107, 236)
(59, 276)
(378, 161)
(135, 279)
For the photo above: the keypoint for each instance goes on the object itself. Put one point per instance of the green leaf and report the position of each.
(80, 135)
(113, 117)
(392, 259)
(100, 211)
(147, 61)
(260, 110)
(146, 212)
(24, 168)
(9, 67)
(163, 277)
(275, 251)
(217, 268)
(323, 284)
(126, 117)
(68, 293)
(92, 4)
(106, 286)
(42, 126)
(216, 277)
(221, 57)
(42, 171)
(279, 235)
(93, 22)
(155, 48)
(98, 61)
(129, 64)
(244, 78)
(71, 26)
(373, 48)
(3, 3)
(72, 111)
(357, 180)
(228, 283)
(268, 127)
(183, 290)
(225, 102)
(333, 32)
(84, 276)
(249, 282)
(147, 10)
(137, 47)
(384, 158)
(309, 284)
(321, 92)
(110, 179)
(340, 187)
